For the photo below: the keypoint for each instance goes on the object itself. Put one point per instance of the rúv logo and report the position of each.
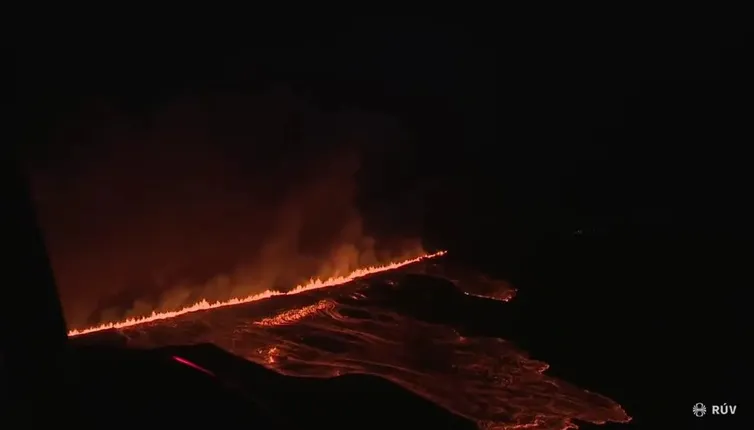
(700, 409)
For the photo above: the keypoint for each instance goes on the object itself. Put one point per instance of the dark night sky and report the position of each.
(467, 135)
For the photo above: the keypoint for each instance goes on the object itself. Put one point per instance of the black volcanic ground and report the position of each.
(440, 339)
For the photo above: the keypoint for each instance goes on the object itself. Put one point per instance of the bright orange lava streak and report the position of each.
(203, 305)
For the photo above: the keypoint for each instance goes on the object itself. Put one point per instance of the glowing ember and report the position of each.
(192, 365)
(203, 305)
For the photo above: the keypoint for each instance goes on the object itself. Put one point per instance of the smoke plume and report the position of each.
(209, 197)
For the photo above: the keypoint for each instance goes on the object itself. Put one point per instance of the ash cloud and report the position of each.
(209, 197)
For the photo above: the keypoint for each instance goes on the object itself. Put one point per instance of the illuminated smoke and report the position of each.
(211, 197)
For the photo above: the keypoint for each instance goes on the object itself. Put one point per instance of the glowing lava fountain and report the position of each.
(203, 305)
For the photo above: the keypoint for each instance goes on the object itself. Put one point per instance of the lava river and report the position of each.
(386, 325)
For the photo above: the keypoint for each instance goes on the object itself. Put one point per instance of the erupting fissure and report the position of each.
(202, 305)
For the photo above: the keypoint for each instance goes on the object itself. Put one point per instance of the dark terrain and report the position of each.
(648, 315)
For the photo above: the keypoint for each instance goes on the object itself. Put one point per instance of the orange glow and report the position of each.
(203, 305)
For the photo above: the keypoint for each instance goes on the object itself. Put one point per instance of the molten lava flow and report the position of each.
(313, 284)
(293, 315)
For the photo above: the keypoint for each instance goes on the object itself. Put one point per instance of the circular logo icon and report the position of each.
(699, 410)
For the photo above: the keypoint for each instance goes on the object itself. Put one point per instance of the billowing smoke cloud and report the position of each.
(213, 197)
